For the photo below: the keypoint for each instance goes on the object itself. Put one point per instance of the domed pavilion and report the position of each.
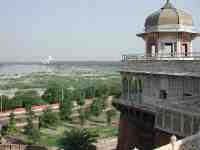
(169, 32)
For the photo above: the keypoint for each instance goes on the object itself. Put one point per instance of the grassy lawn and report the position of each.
(50, 139)
(105, 132)
(53, 136)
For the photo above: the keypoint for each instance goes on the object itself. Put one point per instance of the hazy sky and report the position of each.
(78, 29)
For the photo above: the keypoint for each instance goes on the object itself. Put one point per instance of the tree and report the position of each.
(115, 89)
(3, 102)
(81, 99)
(9, 104)
(79, 139)
(51, 95)
(109, 115)
(96, 107)
(28, 98)
(104, 101)
(32, 132)
(101, 89)
(49, 119)
(11, 128)
(53, 92)
(66, 107)
(82, 116)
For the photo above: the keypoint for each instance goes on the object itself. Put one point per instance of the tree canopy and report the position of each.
(79, 139)
(49, 119)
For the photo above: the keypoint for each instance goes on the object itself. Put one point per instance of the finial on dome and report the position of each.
(168, 5)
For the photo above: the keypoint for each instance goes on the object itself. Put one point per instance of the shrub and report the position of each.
(96, 107)
(109, 115)
(66, 108)
(49, 119)
(79, 139)
(30, 131)
(11, 128)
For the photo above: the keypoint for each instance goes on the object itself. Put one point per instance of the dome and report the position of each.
(168, 15)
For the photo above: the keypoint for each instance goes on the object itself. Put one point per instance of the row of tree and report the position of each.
(80, 139)
(56, 93)
(51, 119)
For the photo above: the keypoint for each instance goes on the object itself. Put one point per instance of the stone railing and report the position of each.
(188, 143)
(165, 56)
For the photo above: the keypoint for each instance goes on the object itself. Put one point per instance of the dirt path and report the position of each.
(107, 144)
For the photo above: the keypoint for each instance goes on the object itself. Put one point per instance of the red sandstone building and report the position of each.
(161, 89)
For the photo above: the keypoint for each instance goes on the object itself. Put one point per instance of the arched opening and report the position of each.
(169, 50)
(153, 50)
(185, 49)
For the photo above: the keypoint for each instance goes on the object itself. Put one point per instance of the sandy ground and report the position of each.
(107, 144)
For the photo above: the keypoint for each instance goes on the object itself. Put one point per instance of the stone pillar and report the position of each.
(192, 125)
(160, 48)
(190, 48)
(129, 87)
(178, 49)
(123, 94)
(136, 89)
(182, 123)
(140, 90)
(173, 141)
(133, 90)
(124, 87)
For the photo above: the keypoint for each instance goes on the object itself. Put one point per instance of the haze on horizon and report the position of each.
(78, 29)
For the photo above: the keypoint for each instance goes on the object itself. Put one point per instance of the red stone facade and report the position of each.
(136, 129)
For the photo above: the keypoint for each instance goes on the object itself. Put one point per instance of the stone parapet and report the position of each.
(190, 68)
(188, 143)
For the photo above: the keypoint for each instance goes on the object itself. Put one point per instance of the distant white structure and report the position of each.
(48, 60)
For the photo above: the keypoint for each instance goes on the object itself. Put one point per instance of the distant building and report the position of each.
(161, 89)
(49, 60)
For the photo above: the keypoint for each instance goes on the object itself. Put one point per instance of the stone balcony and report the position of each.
(163, 56)
(178, 65)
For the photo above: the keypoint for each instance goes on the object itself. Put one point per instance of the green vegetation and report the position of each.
(82, 116)
(53, 135)
(97, 107)
(104, 132)
(66, 108)
(49, 119)
(30, 131)
(11, 128)
(79, 89)
(68, 91)
(22, 99)
(79, 139)
(52, 94)
(109, 115)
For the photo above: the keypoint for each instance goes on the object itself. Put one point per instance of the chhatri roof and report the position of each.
(169, 19)
(167, 15)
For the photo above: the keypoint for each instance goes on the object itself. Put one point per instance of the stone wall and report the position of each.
(173, 67)
(188, 143)
(135, 133)
(23, 147)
